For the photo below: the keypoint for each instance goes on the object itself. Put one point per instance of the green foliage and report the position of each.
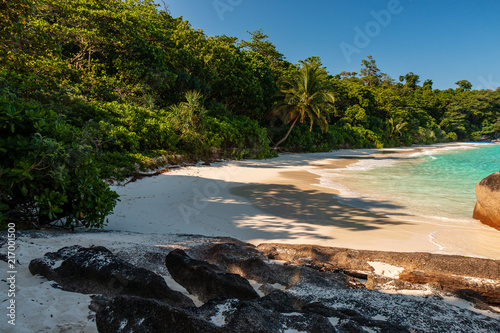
(132, 88)
(307, 95)
(260, 45)
(371, 75)
(453, 136)
(188, 116)
(129, 128)
(410, 80)
(238, 137)
(428, 136)
(47, 173)
(464, 85)
(233, 137)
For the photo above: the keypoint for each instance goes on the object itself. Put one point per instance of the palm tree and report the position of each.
(307, 95)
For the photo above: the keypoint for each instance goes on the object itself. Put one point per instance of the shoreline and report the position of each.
(281, 200)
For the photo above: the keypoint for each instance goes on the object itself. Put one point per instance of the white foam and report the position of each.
(369, 164)
(431, 151)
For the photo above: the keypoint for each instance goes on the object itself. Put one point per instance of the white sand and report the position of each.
(387, 270)
(282, 200)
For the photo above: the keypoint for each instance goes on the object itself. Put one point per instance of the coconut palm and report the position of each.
(307, 95)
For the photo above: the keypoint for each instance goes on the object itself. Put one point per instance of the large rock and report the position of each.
(347, 311)
(487, 208)
(142, 315)
(270, 314)
(245, 260)
(488, 289)
(242, 259)
(333, 258)
(449, 273)
(96, 270)
(205, 280)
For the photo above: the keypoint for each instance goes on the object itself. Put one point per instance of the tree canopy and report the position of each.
(97, 91)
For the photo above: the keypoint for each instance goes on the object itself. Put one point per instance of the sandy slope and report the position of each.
(280, 200)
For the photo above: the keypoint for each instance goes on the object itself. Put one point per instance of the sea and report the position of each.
(429, 184)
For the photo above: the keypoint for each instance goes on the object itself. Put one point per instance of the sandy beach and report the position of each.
(282, 200)
(277, 200)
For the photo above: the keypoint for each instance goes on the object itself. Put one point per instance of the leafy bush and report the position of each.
(425, 136)
(130, 128)
(236, 137)
(47, 173)
(453, 136)
(441, 135)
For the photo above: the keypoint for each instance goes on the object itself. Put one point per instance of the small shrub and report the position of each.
(453, 136)
(47, 174)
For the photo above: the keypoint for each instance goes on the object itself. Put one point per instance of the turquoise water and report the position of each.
(434, 183)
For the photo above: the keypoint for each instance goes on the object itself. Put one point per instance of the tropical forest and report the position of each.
(93, 92)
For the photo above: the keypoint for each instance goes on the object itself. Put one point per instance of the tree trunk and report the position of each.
(287, 133)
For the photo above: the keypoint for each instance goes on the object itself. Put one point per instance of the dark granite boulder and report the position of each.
(242, 259)
(142, 315)
(96, 270)
(205, 280)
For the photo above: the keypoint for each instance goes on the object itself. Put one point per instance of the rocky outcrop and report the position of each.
(205, 280)
(272, 313)
(335, 258)
(133, 314)
(96, 270)
(487, 290)
(447, 273)
(487, 208)
(300, 308)
(312, 291)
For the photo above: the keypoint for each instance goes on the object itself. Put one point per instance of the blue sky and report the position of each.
(442, 40)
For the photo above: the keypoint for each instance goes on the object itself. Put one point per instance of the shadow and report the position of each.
(316, 207)
(303, 159)
(215, 207)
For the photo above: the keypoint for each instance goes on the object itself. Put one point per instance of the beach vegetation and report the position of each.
(47, 170)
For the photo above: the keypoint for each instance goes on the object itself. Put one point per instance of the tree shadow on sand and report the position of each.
(316, 207)
(292, 159)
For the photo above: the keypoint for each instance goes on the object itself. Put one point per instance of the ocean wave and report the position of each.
(437, 150)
